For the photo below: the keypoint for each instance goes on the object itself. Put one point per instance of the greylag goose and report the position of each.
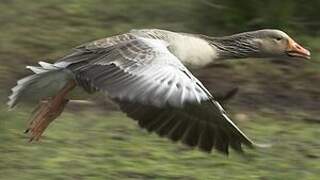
(145, 72)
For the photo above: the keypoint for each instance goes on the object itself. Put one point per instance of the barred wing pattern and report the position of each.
(153, 87)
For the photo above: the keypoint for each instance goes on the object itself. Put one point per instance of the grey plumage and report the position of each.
(144, 72)
(153, 87)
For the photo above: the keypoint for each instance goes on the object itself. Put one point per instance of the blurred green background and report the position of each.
(278, 100)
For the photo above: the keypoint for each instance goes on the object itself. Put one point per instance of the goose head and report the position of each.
(262, 44)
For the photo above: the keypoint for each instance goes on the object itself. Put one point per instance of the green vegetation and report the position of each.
(295, 16)
(276, 101)
(111, 146)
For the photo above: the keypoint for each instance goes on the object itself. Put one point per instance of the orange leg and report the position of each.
(47, 111)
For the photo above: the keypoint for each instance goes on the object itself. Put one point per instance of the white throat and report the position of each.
(192, 51)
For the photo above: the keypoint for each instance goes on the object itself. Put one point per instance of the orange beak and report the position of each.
(295, 50)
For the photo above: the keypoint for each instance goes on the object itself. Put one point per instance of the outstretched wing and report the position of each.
(153, 87)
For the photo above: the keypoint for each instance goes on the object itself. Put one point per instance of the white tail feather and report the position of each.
(36, 69)
(47, 81)
(47, 66)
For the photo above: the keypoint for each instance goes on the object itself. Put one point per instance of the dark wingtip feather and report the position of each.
(192, 132)
(206, 140)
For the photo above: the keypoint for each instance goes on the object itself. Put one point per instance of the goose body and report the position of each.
(146, 73)
(191, 50)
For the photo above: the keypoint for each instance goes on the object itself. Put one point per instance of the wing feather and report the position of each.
(154, 88)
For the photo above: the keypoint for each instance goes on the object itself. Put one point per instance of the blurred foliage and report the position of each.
(230, 15)
(37, 30)
(33, 30)
(111, 146)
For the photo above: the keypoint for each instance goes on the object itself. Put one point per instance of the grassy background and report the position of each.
(100, 145)
(278, 100)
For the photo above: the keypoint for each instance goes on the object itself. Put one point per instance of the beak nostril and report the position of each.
(298, 47)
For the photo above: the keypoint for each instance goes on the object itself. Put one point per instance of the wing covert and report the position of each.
(153, 87)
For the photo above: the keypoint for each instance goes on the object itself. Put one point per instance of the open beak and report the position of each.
(295, 50)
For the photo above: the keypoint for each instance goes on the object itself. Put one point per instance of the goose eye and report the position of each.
(279, 38)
